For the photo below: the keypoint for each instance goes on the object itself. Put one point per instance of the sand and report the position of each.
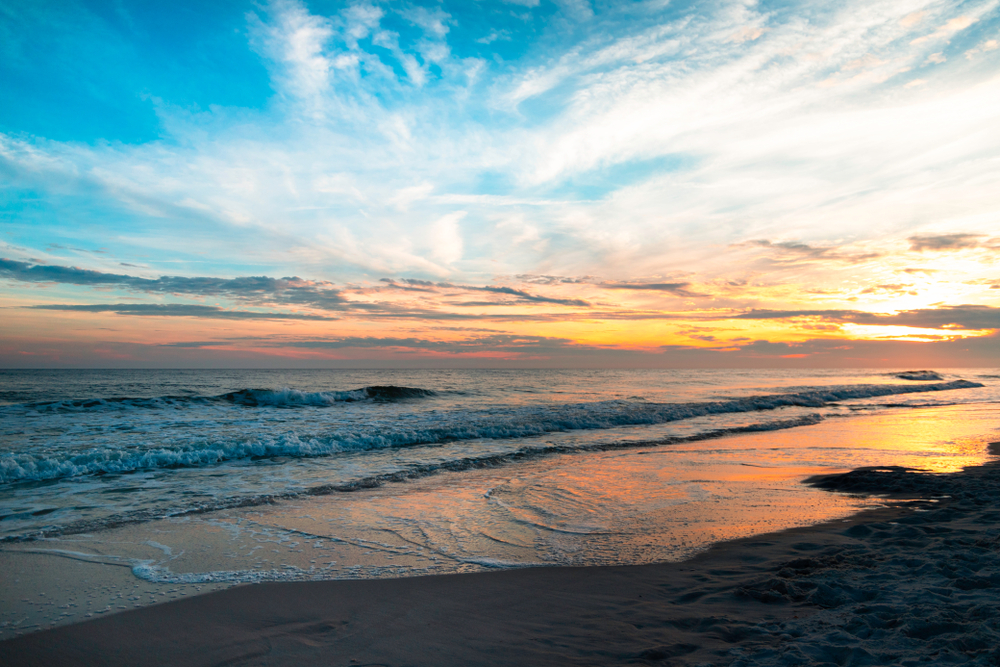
(911, 583)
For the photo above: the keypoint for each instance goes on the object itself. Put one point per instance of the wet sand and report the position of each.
(911, 583)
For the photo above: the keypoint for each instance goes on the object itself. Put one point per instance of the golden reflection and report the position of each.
(629, 506)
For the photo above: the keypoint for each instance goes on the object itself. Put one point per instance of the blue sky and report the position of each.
(772, 155)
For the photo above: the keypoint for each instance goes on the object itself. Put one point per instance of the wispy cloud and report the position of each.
(963, 316)
(179, 310)
(721, 132)
(923, 242)
(794, 252)
(521, 295)
(292, 291)
(678, 289)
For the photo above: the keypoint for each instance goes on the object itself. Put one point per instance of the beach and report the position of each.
(914, 582)
(859, 530)
(507, 332)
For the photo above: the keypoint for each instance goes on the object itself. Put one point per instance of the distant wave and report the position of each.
(919, 376)
(501, 423)
(283, 397)
(292, 397)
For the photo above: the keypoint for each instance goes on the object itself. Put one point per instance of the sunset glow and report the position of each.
(519, 183)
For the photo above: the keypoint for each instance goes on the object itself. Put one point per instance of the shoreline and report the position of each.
(887, 585)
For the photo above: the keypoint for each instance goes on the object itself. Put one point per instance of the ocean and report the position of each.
(227, 476)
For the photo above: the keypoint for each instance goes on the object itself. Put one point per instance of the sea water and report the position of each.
(85, 449)
(125, 488)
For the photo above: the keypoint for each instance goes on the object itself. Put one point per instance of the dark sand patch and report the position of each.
(914, 583)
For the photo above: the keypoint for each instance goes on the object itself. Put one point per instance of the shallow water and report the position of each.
(84, 449)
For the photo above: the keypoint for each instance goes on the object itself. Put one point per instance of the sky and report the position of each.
(520, 183)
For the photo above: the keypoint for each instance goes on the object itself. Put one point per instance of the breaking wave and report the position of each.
(284, 397)
(408, 473)
(919, 376)
(516, 422)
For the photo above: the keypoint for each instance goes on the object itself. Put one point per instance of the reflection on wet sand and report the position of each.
(602, 508)
(641, 506)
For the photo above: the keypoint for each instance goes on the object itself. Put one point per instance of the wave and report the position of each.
(919, 376)
(473, 425)
(284, 397)
(411, 472)
(292, 397)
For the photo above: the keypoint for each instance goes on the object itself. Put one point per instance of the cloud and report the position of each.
(963, 316)
(598, 136)
(796, 252)
(837, 353)
(494, 342)
(891, 288)
(197, 344)
(677, 289)
(486, 347)
(764, 314)
(957, 241)
(291, 290)
(425, 285)
(263, 290)
(446, 238)
(433, 21)
(643, 140)
(178, 310)
(984, 47)
(524, 296)
(296, 40)
(494, 35)
(949, 28)
(552, 280)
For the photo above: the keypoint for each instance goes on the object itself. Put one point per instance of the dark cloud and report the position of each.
(198, 344)
(678, 289)
(491, 342)
(260, 290)
(521, 295)
(551, 280)
(524, 296)
(839, 353)
(795, 252)
(254, 289)
(922, 242)
(179, 310)
(292, 291)
(964, 317)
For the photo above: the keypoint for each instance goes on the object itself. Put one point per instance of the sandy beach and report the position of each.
(504, 333)
(911, 583)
